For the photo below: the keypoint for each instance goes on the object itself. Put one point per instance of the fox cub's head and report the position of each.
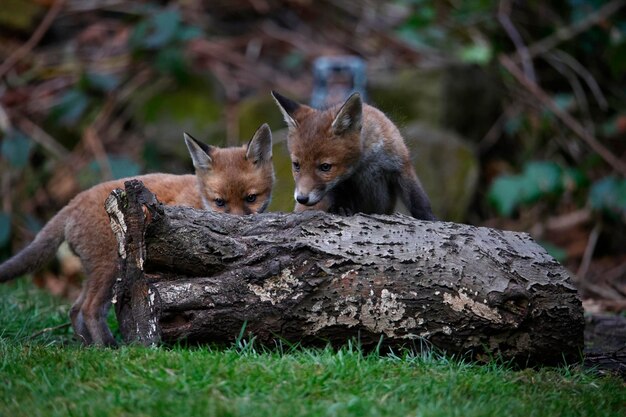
(235, 180)
(325, 145)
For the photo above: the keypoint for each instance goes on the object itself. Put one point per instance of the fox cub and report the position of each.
(234, 180)
(350, 158)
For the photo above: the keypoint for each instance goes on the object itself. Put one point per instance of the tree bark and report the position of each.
(314, 278)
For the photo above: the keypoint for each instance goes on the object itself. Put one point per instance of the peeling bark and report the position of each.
(315, 278)
(134, 298)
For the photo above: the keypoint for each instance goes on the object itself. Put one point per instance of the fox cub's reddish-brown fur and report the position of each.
(234, 180)
(350, 158)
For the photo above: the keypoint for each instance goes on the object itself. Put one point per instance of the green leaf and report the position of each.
(71, 107)
(564, 101)
(412, 37)
(101, 82)
(573, 179)
(5, 228)
(480, 54)
(33, 223)
(541, 178)
(616, 58)
(121, 167)
(609, 128)
(556, 252)
(163, 29)
(138, 36)
(164, 26)
(187, 33)
(16, 148)
(172, 61)
(609, 196)
(423, 15)
(505, 194)
(293, 60)
(513, 125)
(603, 192)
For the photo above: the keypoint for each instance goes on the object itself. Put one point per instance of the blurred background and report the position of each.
(514, 111)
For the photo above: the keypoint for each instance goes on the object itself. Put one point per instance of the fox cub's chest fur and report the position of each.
(233, 180)
(350, 158)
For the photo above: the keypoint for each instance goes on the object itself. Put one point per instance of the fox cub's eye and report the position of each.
(325, 167)
(220, 202)
(251, 198)
(296, 166)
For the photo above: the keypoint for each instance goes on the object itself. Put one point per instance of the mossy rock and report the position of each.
(408, 95)
(282, 194)
(462, 98)
(254, 111)
(164, 113)
(20, 14)
(447, 167)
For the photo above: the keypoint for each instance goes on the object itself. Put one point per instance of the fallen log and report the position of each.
(315, 278)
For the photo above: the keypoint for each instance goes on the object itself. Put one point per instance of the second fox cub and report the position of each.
(350, 158)
(232, 180)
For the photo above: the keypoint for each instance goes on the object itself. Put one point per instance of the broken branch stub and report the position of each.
(315, 278)
(134, 298)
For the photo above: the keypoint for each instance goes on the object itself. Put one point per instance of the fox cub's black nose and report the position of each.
(302, 199)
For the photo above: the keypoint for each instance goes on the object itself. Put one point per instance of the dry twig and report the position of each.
(615, 162)
(40, 136)
(577, 88)
(569, 32)
(41, 30)
(504, 18)
(93, 142)
(583, 73)
(591, 246)
(49, 329)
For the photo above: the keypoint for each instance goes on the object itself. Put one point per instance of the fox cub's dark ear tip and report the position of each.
(349, 115)
(259, 148)
(188, 137)
(192, 142)
(265, 128)
(200, 152)
(263, 132)
(287, 104)
(354, 98)
(278, 96)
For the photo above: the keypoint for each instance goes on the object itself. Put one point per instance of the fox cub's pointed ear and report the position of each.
(200, 153)
(287, 108)
(260, 146)
(350, 115)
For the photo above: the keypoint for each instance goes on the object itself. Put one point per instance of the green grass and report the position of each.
(51, 375)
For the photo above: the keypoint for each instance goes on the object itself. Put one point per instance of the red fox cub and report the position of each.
(234, 180)
(350, 158)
